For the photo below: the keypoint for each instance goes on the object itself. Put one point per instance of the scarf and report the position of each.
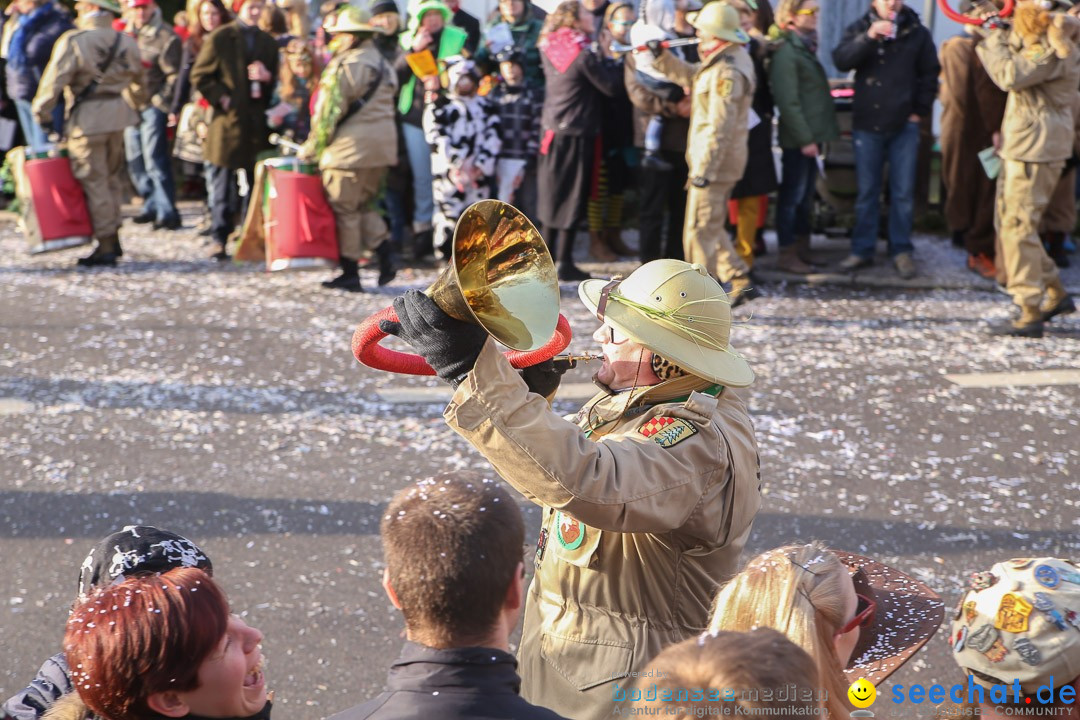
(809, 38)
(28, 25)
(563, 46)
(329, 106)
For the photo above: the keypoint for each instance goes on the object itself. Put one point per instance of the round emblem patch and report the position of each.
(571, 532)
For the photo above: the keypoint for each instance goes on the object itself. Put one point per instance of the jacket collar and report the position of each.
(904, 19)
(479, 670)
(95, 20)
(263, 714)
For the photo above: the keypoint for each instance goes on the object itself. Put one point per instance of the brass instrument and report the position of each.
(571, 359)
(502, 278)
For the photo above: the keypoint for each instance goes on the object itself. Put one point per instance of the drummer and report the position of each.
(355, 140)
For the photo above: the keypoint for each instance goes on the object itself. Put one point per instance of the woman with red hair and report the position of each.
(163, 646)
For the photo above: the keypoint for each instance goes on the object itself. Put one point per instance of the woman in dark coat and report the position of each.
(577, 80)
(38, 25)
(750, 199)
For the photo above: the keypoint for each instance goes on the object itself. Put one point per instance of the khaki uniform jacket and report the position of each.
(368, 138)
(73, 66)
(1039, 123)
(237, 135)
(638, 530)
(723, 90)
(161, 51)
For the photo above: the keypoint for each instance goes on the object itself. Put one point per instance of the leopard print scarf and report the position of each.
(665, 369)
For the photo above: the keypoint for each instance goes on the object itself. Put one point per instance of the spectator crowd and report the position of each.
(412, 114)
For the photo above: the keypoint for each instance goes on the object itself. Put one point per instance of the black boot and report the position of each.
(1055, 248)
(564, 245)
(348, 280)
(387, 262)
(105, 254)
(423, 245)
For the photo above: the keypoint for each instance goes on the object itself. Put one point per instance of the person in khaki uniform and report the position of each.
(648, 493)
(98, 114)
(354, 137)
(723, 90)
(1038, 64)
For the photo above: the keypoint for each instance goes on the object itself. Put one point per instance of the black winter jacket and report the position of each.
(469, 683)
(893, 78)
(52, 682)
(572, 101)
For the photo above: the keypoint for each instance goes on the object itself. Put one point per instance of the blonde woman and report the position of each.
(854, 616)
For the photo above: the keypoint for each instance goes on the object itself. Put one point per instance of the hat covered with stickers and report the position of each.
(1020, 621)
(138, 550)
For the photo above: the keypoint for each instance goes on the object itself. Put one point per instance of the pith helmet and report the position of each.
(352, 19)
(678, 311)
(719, 20)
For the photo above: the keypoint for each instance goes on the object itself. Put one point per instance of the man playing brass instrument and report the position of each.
(648, 494)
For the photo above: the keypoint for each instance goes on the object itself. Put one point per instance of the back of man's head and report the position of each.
(453, 546)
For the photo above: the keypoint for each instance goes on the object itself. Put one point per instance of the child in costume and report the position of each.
(463, 128)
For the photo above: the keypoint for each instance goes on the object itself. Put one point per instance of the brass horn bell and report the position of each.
(500, 277)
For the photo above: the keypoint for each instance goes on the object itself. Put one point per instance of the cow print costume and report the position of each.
(464, 131)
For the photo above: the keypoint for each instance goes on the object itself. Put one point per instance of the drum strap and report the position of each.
(89, 89)
(357, 105)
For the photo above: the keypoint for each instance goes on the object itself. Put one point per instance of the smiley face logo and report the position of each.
(862, 693)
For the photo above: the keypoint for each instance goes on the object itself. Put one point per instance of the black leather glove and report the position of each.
(656, 47)
(450, 346)
(544, 378)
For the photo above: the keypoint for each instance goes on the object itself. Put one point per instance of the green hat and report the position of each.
(719, 20)
(417, 10)
(353, 19)
(106, 5)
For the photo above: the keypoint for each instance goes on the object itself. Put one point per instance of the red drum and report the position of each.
(57, 205)
(299, 225)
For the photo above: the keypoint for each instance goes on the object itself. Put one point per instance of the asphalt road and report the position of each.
(224, 403)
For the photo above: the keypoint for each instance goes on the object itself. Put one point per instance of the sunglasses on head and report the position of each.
(808, 11)
(867, 606)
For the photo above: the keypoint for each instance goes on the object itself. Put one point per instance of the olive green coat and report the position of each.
(639, 528)
(237, 134)
(801, 92)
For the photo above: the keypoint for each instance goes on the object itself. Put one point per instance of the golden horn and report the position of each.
(500, 277)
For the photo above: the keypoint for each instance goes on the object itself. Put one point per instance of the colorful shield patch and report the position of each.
(667, 431)
(969, 610)
(725, 86)
(571, 532)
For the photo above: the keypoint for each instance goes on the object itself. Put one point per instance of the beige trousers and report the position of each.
(1024, 191)
(350, 193)
(97, 162)
(705, 239)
